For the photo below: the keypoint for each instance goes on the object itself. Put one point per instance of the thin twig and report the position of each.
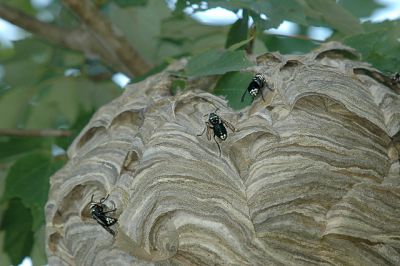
(296, 36)
(12, 132)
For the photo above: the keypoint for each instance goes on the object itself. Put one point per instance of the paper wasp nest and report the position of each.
(311, 175)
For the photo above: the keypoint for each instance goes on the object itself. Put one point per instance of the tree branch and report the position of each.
(12, 132)
(112, 49)
(111, 40)
(44, 30)
(48, 32)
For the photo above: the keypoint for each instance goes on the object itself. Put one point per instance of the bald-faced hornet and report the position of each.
(217, 125)
(395, 78)
(97, 210)
(255, 87)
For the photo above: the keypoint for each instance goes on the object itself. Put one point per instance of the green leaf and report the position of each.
(216, 62)
(151, 72)
(4, 259)
(287, 45)
(304, 12)
(54, 102)
(38, 254)
(14, 147)
(82, 120)
(23, 5)
(22, 73)
(280, 10)
(240, 45)
(126, 3)
(37, 93)
(42, 106)
(32, 49)
(17, 224)
(3, 173)
(379, 44)
(14, 103)
(189, 36)
(238, 31)
(142, 28)
(6, 52)
(334, 15)
(73, 59)
(276, 10)
(360, 8)
(232, 85)
(180, 5)
(28, 180)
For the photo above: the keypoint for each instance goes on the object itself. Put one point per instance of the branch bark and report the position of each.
(96, 37)
(113, 42)
(44, 30)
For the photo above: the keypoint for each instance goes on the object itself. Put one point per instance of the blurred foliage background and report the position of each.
(51, 81)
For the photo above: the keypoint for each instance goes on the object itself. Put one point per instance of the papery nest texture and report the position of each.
(310, 175)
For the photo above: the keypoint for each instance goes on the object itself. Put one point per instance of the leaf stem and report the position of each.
(296, 36)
